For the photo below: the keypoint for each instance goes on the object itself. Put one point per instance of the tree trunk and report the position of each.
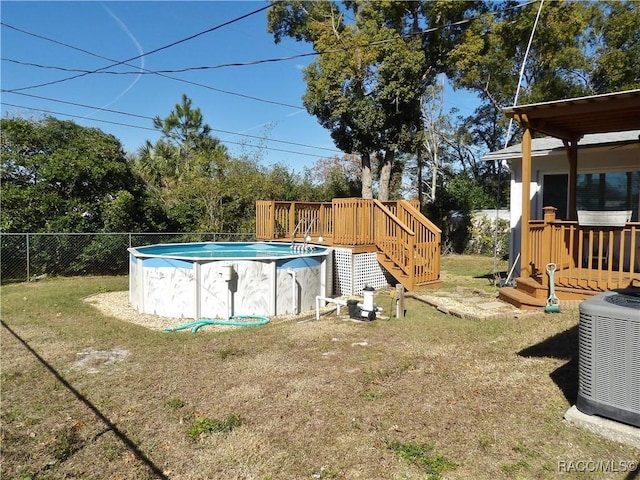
(367, 178)
(434, 176)
(385, 175)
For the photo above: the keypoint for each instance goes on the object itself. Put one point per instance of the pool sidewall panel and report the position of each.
(170, 287)
(254, 290)
(135, 282)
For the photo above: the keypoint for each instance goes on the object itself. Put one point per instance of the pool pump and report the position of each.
(365, 310)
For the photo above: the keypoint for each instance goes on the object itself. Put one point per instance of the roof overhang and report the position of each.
(573, 118)
(549, 146)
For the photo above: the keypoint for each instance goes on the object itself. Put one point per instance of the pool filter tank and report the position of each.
(368, 308)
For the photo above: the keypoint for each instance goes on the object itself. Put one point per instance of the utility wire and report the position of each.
(176, 70)
(209, 67)
(173, 44)
(154, 130)
(208, 87)
(508, 137)
(78, 116)
(162, 73)
(145, 117)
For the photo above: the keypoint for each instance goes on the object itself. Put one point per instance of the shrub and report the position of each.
(484, 237)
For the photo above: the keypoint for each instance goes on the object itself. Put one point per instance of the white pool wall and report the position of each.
(197, 288)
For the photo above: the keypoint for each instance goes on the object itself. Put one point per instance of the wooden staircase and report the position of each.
(527, 294)
(405, 279)
(408, 245)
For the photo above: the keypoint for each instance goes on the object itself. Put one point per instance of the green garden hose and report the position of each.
(195, 326)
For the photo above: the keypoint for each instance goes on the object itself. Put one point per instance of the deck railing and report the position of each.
(293, 220)
(397, 229)
(596, 258)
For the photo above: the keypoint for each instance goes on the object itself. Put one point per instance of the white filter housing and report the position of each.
(367, 299)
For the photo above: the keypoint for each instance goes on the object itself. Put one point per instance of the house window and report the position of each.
(609, 191)
(554, 193)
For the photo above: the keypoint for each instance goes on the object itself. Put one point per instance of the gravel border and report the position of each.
(116, 304)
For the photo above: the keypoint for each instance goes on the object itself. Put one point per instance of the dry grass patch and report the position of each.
(426, 396)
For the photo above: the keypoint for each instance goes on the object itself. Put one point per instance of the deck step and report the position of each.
(520, 299)
(532, 287)
(429, 285)
(530, 294)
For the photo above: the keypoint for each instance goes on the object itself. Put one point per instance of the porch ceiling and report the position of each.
(572, 118)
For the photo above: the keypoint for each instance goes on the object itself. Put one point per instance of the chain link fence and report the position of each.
(26, 256)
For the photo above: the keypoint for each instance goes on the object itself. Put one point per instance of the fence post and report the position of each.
(28, 259)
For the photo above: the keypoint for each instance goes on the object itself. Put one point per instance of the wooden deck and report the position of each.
(589, 260)
(406, 242)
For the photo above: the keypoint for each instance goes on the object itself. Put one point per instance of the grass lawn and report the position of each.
(426, 396)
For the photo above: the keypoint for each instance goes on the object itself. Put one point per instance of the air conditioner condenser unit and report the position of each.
(609, 356)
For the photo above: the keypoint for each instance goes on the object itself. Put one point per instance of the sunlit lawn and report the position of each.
(426, 396)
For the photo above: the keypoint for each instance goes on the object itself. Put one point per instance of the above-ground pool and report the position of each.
(222, 279)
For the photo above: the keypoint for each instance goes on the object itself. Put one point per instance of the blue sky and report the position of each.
(245, 105)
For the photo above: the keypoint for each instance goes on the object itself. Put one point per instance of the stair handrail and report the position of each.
(428, 242)
(418, 216)
(399, 248)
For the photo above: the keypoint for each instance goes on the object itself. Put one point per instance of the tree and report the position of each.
(489, 57)
(199, 186)
(577, 49)
(434, 124)
(186, 147)
(365, 85)
(376, 60)
(60, 177)
(616, 43)
(336, 177)
(183, 167)
(184, 128)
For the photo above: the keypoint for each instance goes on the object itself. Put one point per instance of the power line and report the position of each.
(208, 87)
(177, 70)
(153, 129)
(173, 44)
(78, 116)
(145, 117)
(226, 65)
(163, 73)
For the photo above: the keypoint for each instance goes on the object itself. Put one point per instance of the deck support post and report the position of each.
(525, 254)
(572, 155)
